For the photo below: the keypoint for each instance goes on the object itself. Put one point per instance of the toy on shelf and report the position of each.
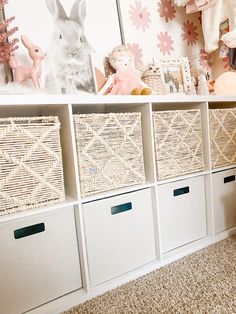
(200, 84)
(202, 88)
(23, 73)
(125, 81)
(153, 78)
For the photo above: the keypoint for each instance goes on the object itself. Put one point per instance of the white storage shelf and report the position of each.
(93, 250)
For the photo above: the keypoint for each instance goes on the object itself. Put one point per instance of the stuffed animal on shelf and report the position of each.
(153, 78)
(125, 81)
(23, 73)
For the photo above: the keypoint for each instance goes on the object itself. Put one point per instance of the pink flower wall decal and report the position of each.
(137, 51)
(190, 33)
(166, 9)
(139, 16)
(165, 43)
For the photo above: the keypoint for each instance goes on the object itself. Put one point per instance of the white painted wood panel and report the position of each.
(182, 212)
(224, 199)
(119, 243)
(39, 267)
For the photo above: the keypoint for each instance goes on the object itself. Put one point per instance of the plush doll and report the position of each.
(125, 81)
(211, 19)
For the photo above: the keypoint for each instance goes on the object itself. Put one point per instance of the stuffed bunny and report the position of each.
(68, 69)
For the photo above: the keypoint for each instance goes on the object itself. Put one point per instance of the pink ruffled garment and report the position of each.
(125, 81)
(198, 5)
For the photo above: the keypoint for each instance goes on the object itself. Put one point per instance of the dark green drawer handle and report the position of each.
(181, 191)
(229, 179)
(121, 208)
(28, 231)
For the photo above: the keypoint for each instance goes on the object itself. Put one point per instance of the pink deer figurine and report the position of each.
(23, 73)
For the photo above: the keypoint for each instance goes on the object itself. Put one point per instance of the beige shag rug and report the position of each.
(203, 282)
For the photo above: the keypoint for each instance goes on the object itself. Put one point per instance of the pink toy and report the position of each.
(24, 73)
(126, 78)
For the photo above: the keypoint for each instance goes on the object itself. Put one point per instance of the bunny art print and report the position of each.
(68, 67)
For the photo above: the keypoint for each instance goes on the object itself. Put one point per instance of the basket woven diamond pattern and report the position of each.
(30, 163)
(110, 151)
(223, 136)
(178, 142)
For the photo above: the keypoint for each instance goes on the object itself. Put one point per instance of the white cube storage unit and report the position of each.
(182, 212)
(224, 199)
(56, 257)
(39, 260)
(119, 234)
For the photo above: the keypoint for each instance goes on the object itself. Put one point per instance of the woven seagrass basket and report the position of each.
(223, 136)
(31, 172)
(178, 142)
(110, 151)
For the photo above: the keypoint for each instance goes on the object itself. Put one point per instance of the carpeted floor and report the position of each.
(204, 282)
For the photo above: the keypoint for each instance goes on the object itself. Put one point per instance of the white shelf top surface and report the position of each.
(97, 99)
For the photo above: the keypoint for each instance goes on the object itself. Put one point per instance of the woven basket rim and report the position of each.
(222, 109)
(174, 110)
(46, 119)
(107, 114)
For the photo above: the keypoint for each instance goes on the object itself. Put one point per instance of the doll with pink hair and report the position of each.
(125, 81)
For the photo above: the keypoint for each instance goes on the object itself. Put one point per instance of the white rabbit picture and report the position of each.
(68, 31)
(67, 64)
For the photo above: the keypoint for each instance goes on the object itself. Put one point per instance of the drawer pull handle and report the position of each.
(121, 208)
(229, 179)
(181, 191)
(28, 231)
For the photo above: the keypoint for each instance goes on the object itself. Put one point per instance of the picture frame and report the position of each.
(176, 75)
(100, 38)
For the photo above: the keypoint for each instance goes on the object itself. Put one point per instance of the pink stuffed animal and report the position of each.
(126, 80)
(23, 73)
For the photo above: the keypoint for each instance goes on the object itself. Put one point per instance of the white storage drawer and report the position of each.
(182, 212)
(119, 234)
(224, 199)
(39, 260)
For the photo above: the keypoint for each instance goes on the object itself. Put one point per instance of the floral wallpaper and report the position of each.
(158, 28)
